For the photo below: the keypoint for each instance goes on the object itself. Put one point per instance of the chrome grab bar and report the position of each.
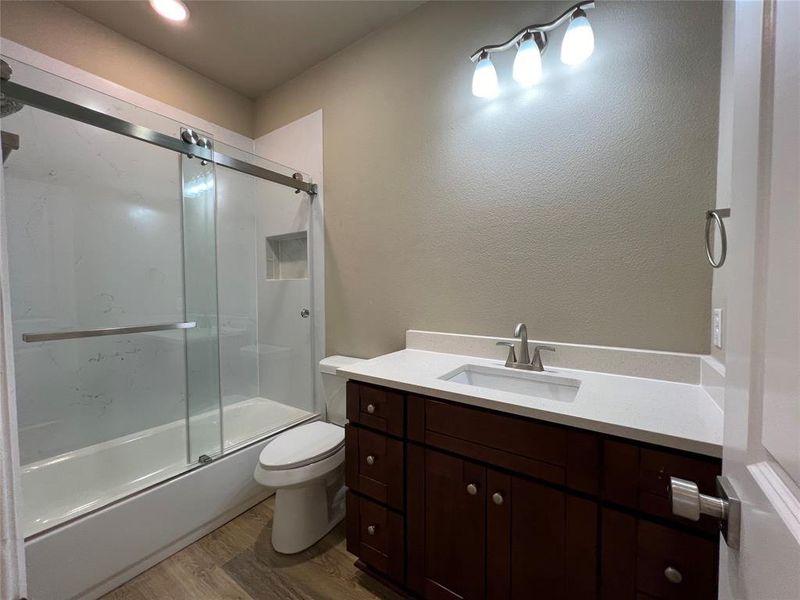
(712, 217)
(86, 333)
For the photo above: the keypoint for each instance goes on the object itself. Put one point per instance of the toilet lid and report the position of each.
(302, 445)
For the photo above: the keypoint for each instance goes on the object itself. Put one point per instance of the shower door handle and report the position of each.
(86, 333)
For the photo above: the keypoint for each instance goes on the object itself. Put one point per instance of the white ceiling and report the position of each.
(248, 46)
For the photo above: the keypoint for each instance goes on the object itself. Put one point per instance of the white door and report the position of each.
(762, 398)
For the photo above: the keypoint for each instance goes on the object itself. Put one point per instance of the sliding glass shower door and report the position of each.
(264, 245)
(160, 289)
(111, 248)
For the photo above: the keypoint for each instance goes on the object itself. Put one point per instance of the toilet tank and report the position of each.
(334, 390)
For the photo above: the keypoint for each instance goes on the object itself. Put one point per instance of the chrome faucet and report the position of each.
(521, 332)
(524, 361)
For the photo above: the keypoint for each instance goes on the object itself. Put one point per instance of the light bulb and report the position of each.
(578, 43)
(484, 81)
(528, 62)
(174, 10)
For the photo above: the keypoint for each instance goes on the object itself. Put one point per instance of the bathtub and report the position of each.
(100, 515)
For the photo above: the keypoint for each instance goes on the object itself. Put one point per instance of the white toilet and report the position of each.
(306, 466)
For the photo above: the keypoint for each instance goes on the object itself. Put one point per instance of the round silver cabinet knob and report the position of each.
(371, 529)
(497, 498)
(370, 408)
(472, 489)
(370, 460)
(673, 575)
(305, 313)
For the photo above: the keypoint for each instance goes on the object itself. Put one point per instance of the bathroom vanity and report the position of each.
(493, 496)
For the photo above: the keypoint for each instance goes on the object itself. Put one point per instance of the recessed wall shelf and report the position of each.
(287, 256)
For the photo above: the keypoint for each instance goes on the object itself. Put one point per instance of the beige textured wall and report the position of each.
(60, 32)
(576, 207)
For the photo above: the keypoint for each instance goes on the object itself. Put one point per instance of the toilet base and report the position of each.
(305, 513)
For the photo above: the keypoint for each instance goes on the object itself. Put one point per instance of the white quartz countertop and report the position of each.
(675, 415)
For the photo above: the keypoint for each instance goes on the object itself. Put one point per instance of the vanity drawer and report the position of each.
(374, 465)
(375, 534)
(641, 559)
(639, 478)
(549, 452)
(376, 407)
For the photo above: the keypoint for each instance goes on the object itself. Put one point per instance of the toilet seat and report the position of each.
(302, 446)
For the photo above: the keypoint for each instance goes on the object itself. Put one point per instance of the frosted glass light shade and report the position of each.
(528, 63)
(578, 43)
(484, 81)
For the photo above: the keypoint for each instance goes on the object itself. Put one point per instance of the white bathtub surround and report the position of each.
(67, 486)
(92, 555)
(299, 144)
(669, 366)
(667, 413)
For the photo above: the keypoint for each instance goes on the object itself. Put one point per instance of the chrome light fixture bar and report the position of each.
(578, 44)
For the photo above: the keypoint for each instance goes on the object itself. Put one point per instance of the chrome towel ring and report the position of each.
(712, 217)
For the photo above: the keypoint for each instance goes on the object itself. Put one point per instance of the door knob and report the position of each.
(497, 498)
(472, 489)
(370, 460)
(689, 503)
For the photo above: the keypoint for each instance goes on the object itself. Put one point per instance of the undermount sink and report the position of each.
(535, 384)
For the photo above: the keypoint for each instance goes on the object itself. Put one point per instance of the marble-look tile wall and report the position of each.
(94, 234)
(284, 349)
(237, 289)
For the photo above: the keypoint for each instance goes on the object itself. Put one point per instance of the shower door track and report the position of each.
(77, 112)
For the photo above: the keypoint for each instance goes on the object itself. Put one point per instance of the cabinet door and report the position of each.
(642, 559)
(542, 542)
(447, 526)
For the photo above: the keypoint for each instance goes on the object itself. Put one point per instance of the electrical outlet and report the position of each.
(716, 327)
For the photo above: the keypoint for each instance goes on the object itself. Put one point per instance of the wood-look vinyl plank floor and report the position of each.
(237, 562)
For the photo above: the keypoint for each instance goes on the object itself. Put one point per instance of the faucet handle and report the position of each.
(512, 354)
(536, 361)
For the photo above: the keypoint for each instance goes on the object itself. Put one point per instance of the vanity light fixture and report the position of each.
(577, 46)
(174, 10)
(484, 80)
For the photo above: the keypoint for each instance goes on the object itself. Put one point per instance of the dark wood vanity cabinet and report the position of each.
(448, 501)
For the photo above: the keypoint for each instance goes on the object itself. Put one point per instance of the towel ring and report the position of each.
(712, 217)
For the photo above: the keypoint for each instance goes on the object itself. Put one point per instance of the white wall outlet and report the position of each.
(716, 327)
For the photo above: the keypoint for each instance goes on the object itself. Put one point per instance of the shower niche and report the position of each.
(287, 256)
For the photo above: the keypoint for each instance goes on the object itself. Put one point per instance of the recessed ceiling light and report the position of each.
(174, 10)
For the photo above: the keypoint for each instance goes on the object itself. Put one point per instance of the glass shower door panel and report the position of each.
(94, 241)
(263, 249)
(204, 409)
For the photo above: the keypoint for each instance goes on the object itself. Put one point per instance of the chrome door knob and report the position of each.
(370, 408)
(689, 503)
(371, 529)
(370, 460)
(497, 498)
(673, 575)
(472, 489)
